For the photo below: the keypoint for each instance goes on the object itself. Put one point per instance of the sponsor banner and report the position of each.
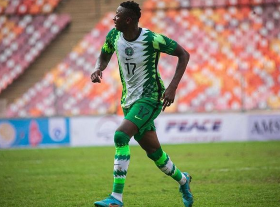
(264, 127)
(175, 128)
(186, 128)
(94, 130)
(34, 132)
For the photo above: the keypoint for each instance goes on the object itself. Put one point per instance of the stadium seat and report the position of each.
(16, 55)
(234, 63)
(23, 7)
(166, 4)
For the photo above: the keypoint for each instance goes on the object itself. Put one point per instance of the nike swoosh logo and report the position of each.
(128, 58)
(136, 117)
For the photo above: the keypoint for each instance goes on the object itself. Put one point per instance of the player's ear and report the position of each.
(128, 20)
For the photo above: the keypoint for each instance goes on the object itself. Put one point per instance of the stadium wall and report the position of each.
(171, 129)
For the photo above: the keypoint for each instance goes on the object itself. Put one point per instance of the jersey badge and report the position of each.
(129, 51)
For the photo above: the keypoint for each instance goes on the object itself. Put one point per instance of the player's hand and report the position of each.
(96, 76)
(168, 97)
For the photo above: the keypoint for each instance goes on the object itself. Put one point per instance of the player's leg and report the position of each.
(122, 157)
(136, 116)
(150, 143)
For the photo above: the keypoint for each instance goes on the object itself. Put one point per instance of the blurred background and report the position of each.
(48, 49)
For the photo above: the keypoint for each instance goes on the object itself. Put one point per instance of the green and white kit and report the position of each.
(141, 103)
(140, 77)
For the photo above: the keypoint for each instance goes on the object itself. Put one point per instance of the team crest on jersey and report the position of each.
(129, 51)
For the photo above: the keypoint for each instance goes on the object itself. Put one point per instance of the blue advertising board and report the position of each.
(33, 132)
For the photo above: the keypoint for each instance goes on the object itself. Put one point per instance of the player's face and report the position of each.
(120, 19)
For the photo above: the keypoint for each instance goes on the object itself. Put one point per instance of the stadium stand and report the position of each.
(23, 7)
(179, 4)
(22, 39)
(67, 89)
(234, 65)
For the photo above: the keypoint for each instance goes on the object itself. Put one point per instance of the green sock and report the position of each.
(121, 162)
(164, 163)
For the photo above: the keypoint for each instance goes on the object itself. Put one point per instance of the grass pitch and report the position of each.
(245, 174)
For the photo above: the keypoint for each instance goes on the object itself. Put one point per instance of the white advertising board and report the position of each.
(171, 128)
(182, 128)
(264, 127)
(94, 130)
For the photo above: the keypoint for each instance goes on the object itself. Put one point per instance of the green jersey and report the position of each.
(138, 61)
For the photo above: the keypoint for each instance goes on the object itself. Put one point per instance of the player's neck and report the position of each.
(132, 34)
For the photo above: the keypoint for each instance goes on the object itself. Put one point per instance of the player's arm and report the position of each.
(183, 59)
(100, 65)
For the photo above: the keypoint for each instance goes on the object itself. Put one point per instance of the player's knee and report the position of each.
(155, 155)
(121, 139)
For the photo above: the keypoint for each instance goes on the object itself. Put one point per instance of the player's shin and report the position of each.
(121, 162)
(164, 163)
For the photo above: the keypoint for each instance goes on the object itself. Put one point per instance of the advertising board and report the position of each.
(264, 127)
(34, 132)
(173, 128)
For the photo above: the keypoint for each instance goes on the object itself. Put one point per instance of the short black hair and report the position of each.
(133, 7)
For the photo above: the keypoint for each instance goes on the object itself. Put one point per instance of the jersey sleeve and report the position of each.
(108, 46)
(164, 44)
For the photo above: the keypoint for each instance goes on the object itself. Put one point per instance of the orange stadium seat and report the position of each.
(166, 4)
(234, 63)
(24, 7)
(23, 39)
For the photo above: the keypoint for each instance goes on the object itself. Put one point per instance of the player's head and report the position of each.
(127, 14)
